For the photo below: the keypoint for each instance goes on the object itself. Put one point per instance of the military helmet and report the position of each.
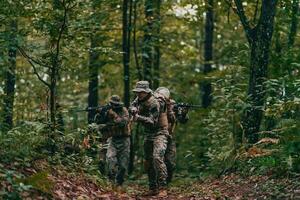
(163, 91)
(142, 86)
(116, 100)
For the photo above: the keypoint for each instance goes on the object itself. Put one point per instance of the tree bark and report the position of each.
(259, 39)
(10, 77)
(147, 50)
(127, 12)
(53, 95)
(54, 70)
(127, 25)
(208, 53)
(93, 80)
(139, 70)
(294, 23)
(156, 52)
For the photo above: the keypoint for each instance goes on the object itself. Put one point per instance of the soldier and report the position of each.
(150, 111)
(174, 115)
(116, 129)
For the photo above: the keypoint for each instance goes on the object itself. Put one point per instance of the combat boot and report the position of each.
(162, 193)
(120, 189)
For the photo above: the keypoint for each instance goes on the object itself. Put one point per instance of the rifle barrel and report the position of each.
(195, 106)
(185, 105)
(87, 109)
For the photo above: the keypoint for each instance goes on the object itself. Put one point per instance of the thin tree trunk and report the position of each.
(53, 88)
(55, 69)
(10, 77)
(127, 4)
(138, 67)
(294, 23)
(127, 24)
(208, 53)
(147, 55)
(157, 54)
(278, 45)
(93, 80)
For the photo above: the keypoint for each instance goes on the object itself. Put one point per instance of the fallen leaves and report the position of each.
(237, 187)
(257, 152)
(268, 141)
(77, 185)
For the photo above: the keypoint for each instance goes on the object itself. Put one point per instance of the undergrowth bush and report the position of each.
(23, 143)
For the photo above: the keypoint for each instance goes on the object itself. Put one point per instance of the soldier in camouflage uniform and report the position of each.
(174, 115)
(117, 130)
(150, 111)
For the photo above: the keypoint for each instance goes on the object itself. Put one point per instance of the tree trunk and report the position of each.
(10, 77)
(294, 23)
(56, 63)
(139, 70)
(93, 80)
(127, 11)
(53, 88)
(127, 23)
(208, 53)
(147, 55)
(157, 54)
(260, 40)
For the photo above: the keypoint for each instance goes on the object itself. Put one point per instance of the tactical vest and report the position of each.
(171, 116)
(163, 117)
(144, 110)
(113, 130)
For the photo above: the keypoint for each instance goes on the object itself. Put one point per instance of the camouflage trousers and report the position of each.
(117, 158)
(170, 157)
(154, 149)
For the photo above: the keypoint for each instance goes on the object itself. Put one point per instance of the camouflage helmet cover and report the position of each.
(163, 91)
(142, 86)
(115, 99)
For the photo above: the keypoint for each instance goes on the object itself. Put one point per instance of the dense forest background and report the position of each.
(239, 59)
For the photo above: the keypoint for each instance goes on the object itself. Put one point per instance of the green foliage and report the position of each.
(74, 155)
(282, 118)
(12, 188)
(207, 144)
(23, 143)
(39, 181)
(223, 128)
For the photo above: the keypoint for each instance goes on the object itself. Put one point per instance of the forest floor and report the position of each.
(231, 186)
(59, 183)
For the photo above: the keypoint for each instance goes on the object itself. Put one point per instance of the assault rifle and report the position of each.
(181, 110)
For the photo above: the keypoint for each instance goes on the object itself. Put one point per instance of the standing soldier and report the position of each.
(150, 111)
(117, 130)
(174, 114)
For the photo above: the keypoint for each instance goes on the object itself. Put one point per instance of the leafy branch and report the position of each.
(239, 10)
(32, 62)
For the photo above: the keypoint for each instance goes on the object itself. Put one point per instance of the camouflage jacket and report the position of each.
(115, 123)
(152, 115)
(171, 115)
